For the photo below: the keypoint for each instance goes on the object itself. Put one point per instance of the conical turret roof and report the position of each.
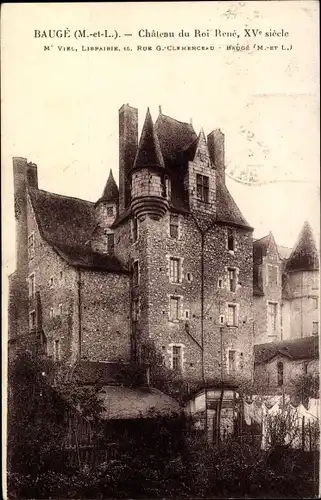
(110, 193)
(304, 256)
(149, 152)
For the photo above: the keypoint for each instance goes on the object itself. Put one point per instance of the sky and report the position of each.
(60, 108)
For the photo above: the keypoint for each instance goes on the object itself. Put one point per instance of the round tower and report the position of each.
(149, 194)
(302, 276)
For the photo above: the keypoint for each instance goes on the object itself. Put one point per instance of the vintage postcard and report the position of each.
(160, 224)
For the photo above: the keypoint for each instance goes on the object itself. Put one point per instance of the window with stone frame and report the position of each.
(315, 328)
(111, 243)
(32, 320)
(272, 312)
(174, 308)
(135, 305)
(32, 285)
(231, 279)
(202, 188)
(315, 302)
(231, 315)
(31, 246)
(230, 239)
(177, 358)
(57, 350)
(135, 270)
(272, 275)
(232, 361)
(174, 270)
(280, 373)
(173, 226)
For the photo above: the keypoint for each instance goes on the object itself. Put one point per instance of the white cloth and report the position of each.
(314, 407)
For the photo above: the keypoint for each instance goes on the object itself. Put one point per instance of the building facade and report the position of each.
(162, 262)
(279, 365)
(286, 289)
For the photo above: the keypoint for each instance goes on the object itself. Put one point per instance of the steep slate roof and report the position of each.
(149, 152)
(304, 348)
(174, 136)
(66, 224)
(86, 372)
(110, 193)
(227, 209)
(304, 256)
(132, 403)
(260, 246)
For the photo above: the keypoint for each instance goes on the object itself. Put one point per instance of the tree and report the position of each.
(39, 398)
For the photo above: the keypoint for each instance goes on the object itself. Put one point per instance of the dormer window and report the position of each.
(110, 210)
(202, 188)
(110, 243)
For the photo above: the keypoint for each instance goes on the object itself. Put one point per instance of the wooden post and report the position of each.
(303, 433)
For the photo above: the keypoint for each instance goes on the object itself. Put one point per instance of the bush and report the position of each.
(235, 469)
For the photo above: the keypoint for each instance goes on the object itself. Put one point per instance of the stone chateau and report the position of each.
(164, 261)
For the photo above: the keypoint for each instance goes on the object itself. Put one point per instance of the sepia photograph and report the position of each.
(160, 250)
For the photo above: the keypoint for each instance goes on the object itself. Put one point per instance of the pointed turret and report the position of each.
(107, 206)
(304, 256)
(149, 192)
(149, 153)
(110, 193)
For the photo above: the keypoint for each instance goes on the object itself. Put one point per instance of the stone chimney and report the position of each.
(128, 143)
(24, 175)
(216, 148)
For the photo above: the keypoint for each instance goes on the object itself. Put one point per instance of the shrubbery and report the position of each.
(166, 460)
(235, 469)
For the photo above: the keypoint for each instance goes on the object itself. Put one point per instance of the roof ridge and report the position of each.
(262, 238)
(175, 120)
(31, 189)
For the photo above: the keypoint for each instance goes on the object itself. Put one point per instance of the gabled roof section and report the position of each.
(262, 246)
(304, 256)
(67, 224)
(110, 193)
(175, 137)
(149, 152)
(227, 210)
(303, 348)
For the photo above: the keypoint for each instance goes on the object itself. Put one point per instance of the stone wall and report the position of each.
(266, 374)
(186, 331)
(301, 304)
(105, 316)
(272, 292)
